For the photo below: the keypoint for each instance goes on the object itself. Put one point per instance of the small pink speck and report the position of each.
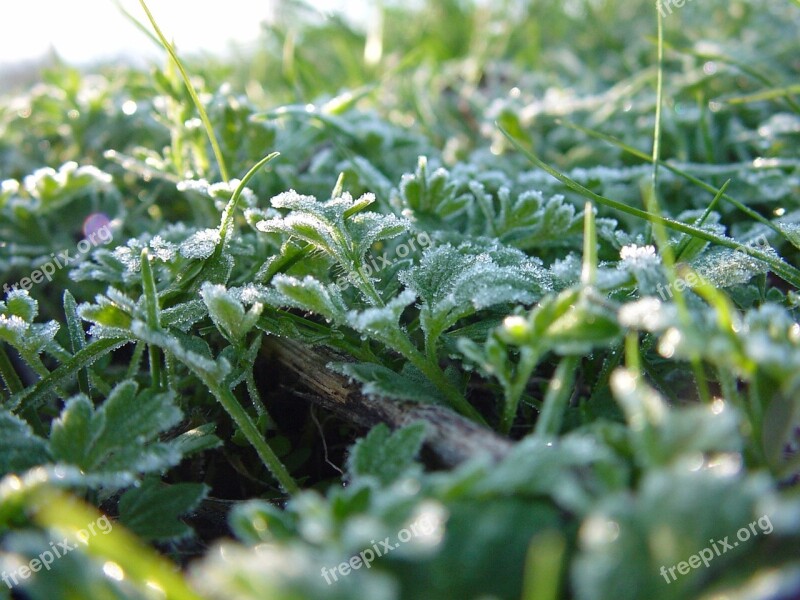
(94, 223)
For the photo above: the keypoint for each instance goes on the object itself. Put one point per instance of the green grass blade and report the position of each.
(688, 176)
(773, 94)
(555, 401)
(223, 170)
(140, 563)
(34, 395)
(226, 224)
(153, 319)
(687, 239)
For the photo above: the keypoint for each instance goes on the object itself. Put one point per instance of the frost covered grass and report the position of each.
(585, 253)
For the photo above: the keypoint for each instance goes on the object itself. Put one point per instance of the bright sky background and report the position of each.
(87, 30)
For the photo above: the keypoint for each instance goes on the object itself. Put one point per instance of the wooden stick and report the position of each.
(451, 438)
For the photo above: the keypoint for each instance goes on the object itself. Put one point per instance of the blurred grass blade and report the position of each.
(543, 566)
(688, 176)
(223, 170)
(123, 554)
(773, 94)
(785, 271)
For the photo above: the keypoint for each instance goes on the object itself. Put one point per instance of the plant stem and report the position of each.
(433, 372)
(153, 320)
(527, 363)
(251, 432)
(555, 401)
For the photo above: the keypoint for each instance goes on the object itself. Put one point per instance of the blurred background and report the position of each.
(41, 33)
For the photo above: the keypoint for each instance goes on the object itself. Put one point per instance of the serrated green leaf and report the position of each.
(20, 448)
(153, 510)
(456, 282)
(384, 455)
(19, 303)
(379, 380)
(308, 294)
(121, 435)
(228, 313)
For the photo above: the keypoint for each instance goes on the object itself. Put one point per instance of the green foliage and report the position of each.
(153, 511)
(384, 455)
(427, 221)
(119, 436)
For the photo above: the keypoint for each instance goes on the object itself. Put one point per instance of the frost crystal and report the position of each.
(9, 186)
(129, 254)
(649, 314)
(639, 256)
(200, 245)
(162, 249)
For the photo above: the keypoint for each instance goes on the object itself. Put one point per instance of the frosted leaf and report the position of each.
(223, 191)
(382, 322)
(12, 327)
(227, 312)
(454, 282)
(250, 293)
(120, 299)
(611, 278)
(200, 245)
(792, 232)
(184, 315)
(644, 264)
(340, 228)
(724, 267)
(20, 448)
(370, 227)
(377, 380)
(255, 215)
(426, 192)
(121, 435)
(308, 294)
(291, 199)
(42, 334)
(102, 332)
(20, 303)
(193, 185)
(48, 185)
(567, 269)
